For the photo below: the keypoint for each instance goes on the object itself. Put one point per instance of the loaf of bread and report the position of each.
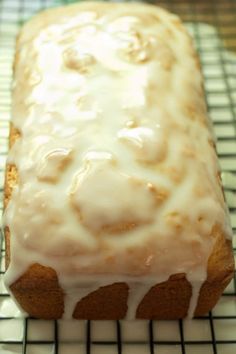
(113, 200)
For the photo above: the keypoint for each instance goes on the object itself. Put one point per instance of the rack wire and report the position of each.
(213, 26)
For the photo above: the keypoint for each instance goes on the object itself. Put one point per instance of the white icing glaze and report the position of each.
(9, 308)
(196, 287)
(118, 177)
(196, 280)
(137, 291)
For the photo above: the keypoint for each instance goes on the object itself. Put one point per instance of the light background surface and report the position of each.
(213, 26)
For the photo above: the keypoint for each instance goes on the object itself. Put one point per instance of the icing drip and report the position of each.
(137, 291)
(117, 173)
(196, 287)
(196, 280)
(74, 295)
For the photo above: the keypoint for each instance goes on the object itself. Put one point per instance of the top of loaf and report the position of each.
(117, 170)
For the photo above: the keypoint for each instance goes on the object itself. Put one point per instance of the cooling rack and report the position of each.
(213, 27)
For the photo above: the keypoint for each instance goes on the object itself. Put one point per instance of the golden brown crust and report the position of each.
(108, 302)
(39, 294)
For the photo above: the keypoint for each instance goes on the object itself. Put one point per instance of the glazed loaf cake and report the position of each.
(113, 199)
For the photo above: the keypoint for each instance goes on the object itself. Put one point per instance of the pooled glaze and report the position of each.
(117, 173)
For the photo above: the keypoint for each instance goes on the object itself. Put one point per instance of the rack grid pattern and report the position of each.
(212, 24)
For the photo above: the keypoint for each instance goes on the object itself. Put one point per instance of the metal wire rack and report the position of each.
(213, 26)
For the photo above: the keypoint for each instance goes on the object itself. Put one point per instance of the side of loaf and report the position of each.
(113, 200)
